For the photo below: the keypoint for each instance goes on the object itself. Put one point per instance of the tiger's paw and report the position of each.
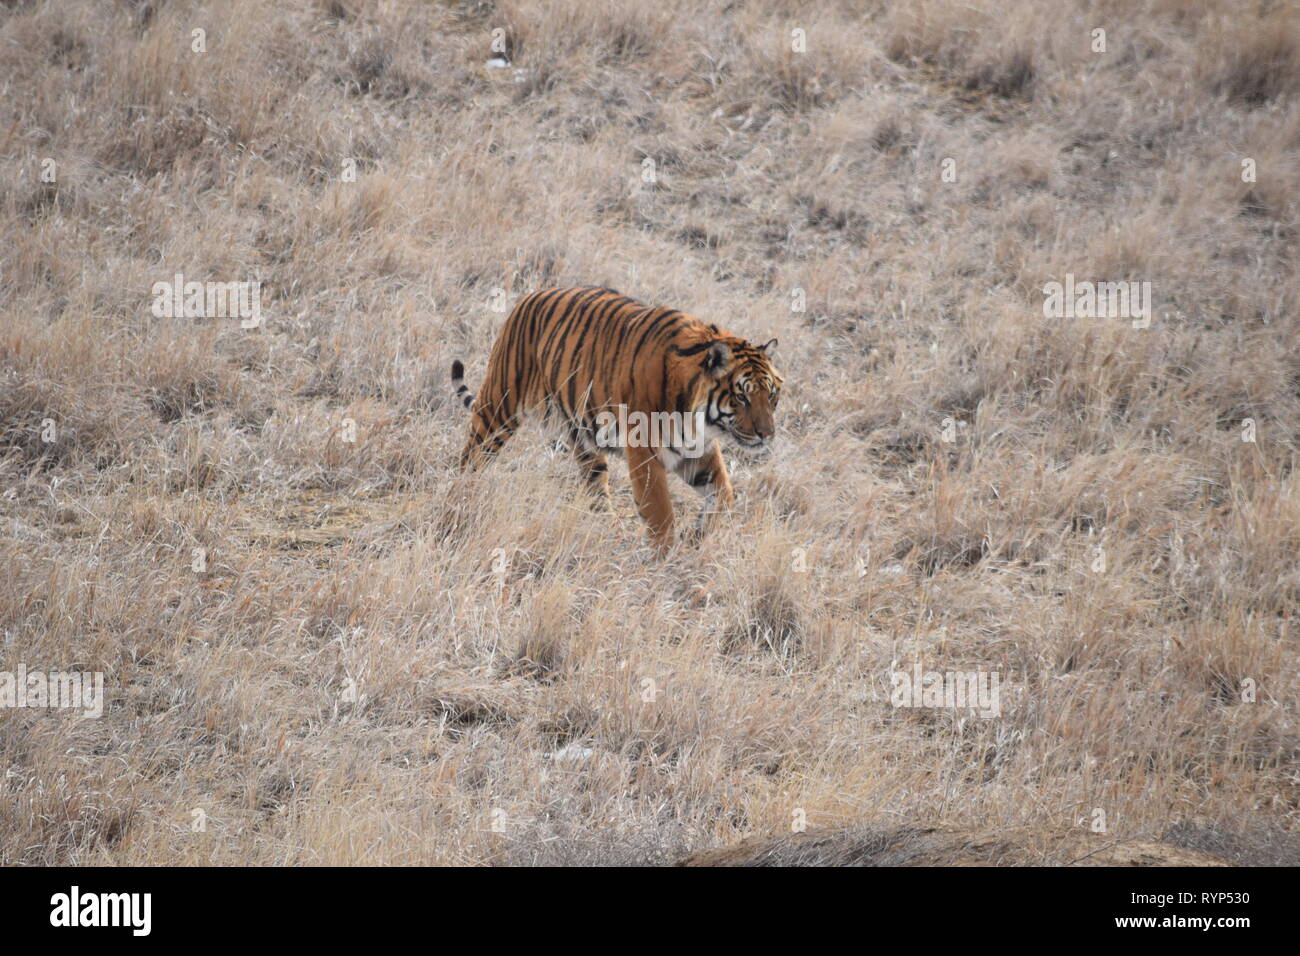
(694, 536)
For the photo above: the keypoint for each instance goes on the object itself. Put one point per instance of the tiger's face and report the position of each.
(742, 402)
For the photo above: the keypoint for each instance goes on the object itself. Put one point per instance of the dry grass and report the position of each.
(386, 663)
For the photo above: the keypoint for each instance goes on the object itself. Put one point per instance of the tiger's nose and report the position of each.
(764, 431)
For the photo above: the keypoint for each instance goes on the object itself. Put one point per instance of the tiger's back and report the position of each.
(570, 352)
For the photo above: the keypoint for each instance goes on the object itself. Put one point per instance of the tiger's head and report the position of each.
(744, 391)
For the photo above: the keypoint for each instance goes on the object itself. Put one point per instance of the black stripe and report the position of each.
(582, 333)
(692, 350)
(618, 335)
(545, 300)
(552, 335)
(668, 315)
(600, 314)
(540, 306)
(581, 311)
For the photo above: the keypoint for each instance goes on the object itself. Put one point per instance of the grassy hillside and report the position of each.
(321, 645)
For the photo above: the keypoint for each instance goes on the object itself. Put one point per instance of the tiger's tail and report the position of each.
(458, 383)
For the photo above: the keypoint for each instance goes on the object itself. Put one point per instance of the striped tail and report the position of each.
(458, 383)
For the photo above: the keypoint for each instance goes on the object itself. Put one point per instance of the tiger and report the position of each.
(577, 354)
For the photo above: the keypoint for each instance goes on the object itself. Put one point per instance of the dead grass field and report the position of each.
(386, 663)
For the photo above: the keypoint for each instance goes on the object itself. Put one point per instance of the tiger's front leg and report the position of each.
(650, 489)
(708, 476)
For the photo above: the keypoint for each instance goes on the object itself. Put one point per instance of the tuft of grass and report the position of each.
(1255, 63)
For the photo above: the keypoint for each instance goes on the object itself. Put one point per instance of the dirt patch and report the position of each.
(317, 519)
(929, 846)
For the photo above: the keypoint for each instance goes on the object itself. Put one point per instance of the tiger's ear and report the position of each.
(768, 348)
(716, 359)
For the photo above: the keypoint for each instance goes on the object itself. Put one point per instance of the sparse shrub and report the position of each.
(772, 616)
(1256, 61)
(547, 632)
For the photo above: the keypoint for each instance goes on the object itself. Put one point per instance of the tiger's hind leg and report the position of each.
(594, 468)
(490, 428)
